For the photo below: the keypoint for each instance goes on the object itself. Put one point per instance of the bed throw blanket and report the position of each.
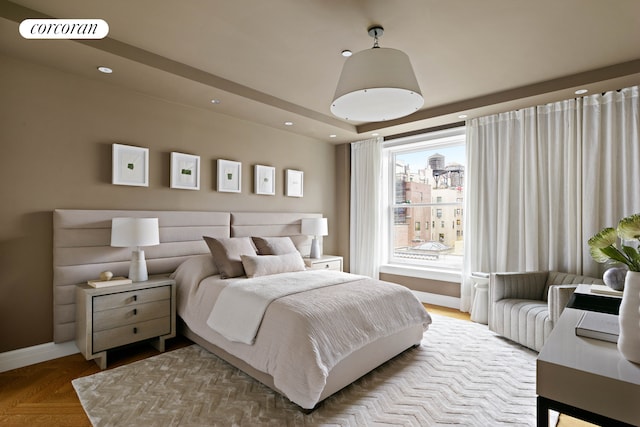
(240, 307)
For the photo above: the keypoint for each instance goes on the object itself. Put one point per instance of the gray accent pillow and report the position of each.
(226, 254)
(264, 265)
(274, 245)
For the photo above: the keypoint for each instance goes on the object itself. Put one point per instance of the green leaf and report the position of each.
(598, 256)
(634, 257)
(606, 237)
(613, 253)
(629, 227)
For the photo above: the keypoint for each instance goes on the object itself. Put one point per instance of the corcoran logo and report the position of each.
(64, 29)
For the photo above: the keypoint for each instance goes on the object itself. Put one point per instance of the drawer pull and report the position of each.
(135, 330)
(135, 311)
(326, 266)
(135, 297)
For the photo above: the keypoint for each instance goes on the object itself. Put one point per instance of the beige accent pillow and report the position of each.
(226, 254)
(274, 245)
(264, 265)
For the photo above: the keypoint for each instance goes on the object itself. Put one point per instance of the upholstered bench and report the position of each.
(524, 306)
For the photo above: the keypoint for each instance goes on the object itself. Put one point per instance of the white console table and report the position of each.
(586, 378)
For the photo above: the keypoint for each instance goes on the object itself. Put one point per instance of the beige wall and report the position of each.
(56, 134)
(424, 285)
(343, 196)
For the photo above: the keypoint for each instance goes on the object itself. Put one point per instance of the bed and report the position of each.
(305, 360)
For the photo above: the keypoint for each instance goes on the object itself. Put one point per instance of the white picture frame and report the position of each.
(229, 176)
(130, 165)
(185, 171)
(264, 180)
(295, 183)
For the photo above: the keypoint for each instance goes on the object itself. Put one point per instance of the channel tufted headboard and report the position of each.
(81, 246)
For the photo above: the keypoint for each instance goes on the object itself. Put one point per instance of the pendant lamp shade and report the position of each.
(377, 84)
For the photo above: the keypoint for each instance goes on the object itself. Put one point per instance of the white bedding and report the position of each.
(303, 335)
(240, 307)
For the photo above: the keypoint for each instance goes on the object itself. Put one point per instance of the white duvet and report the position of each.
(302, 335)
(240, 307)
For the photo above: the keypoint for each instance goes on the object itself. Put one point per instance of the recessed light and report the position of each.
(215, 101)
(581, 91)
(333, 135)
(462, 116)
(288, 123)
(105, 70)
(346, 53)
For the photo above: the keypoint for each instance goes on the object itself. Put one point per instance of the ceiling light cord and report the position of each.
(375, 32)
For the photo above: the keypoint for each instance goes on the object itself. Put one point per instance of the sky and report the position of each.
(418, 159)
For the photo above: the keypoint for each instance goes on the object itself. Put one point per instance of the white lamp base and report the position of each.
(138, 267)
(315, 249)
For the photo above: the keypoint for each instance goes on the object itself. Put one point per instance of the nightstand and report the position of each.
(325, 262)
(114, 316)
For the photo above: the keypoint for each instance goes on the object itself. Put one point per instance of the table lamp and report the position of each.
(315, 227)
(135, 233)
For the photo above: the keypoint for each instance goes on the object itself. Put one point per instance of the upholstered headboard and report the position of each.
(81, 246)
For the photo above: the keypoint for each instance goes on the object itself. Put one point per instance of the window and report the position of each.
(426, 186)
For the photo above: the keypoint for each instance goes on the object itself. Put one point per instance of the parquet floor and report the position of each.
(42, 394)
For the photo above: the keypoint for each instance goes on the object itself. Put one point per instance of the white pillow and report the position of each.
(198, 265)
(264, 265)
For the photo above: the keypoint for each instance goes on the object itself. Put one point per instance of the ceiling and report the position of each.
(279, 60)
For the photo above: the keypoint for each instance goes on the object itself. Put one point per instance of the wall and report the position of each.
(341, 227)
(56, 135)
(432, 286)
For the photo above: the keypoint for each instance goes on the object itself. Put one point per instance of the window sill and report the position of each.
(422, 272)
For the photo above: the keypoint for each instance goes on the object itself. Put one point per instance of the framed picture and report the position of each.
(295, 183)
(229, 176)
(130, 165)
(185, 171)
(265, 180)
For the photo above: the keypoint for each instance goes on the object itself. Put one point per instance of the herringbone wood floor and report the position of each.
(42, 394)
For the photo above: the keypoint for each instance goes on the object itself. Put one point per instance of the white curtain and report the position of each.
(366, 207)
(542, 180)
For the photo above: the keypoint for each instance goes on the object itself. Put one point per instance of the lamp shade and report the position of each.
(377, 84)
(315, 226)
(131, 232)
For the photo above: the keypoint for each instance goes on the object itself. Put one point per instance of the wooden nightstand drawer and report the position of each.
(131, 333)
(109, 319)
(327, 265)
(325, 262)
(123, 299)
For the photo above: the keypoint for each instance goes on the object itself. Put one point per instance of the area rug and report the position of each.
(461, 374)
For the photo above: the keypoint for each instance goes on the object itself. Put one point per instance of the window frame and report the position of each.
(427, 141)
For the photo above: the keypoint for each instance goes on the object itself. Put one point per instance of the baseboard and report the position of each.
(436, 299)
(21, 357)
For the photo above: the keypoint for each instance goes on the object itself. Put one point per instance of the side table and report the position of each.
(585, 378)
(117, 315)
(480, 308)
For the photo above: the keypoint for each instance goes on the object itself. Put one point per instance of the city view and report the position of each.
(428, 205)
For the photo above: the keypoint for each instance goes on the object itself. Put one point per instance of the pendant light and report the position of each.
(377, 84)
